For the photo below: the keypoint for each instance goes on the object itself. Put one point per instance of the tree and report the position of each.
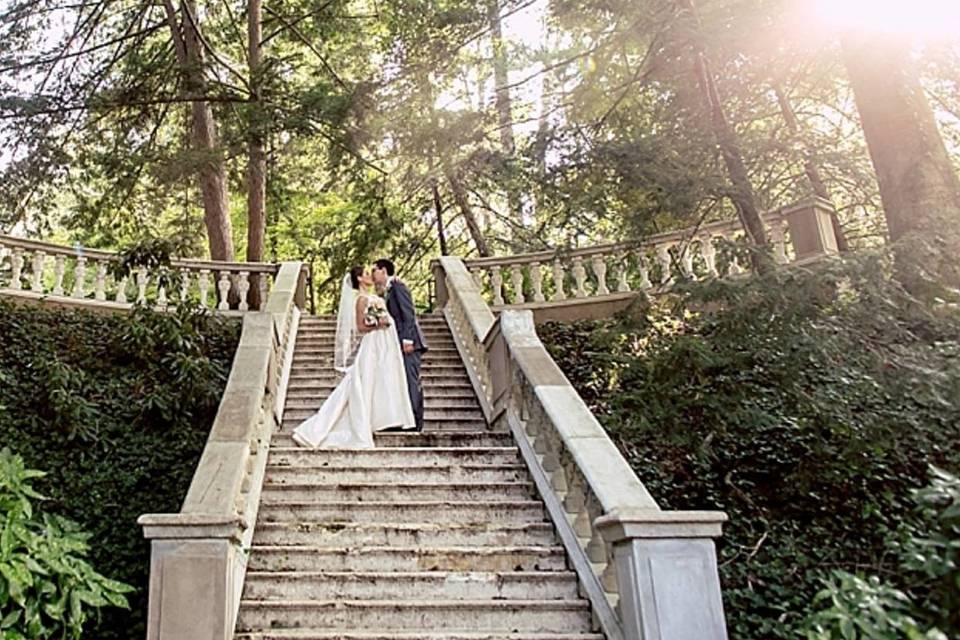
(190, 48)
(918, 184)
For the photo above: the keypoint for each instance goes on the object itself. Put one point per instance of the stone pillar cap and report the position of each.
(184, 526)
(620, 525)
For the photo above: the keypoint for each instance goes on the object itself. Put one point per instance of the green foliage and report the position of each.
(47, 587)
(862, 608)
(119, 407)
(805, 404)
(858, 607)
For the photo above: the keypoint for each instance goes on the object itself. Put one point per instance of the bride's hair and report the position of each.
(355, 274)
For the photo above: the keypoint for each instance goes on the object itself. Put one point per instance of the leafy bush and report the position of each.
(46, 585)
(805, 404)
(865, 607)
(117, 408)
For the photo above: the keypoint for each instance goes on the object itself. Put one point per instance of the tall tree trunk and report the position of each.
(504, 106)
(438, 207)
(463, 203)
(919, 187)
(257, 160)
(809, 167)
(212, 173)
(742, 192)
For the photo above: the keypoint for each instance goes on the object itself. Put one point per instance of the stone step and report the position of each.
(319, 634)
(365, 558)
(435, 406)
(325, 363)
(307, 380)
(404, 512)
(324, 371)
(432, 412)
(431, 424)
(413, 615)
(420, 585)
(421, 535)
(406, 473)
(425, 439)
(278, 492)
(323, 345)
(403, 456)
(329, 335)
(315, 396)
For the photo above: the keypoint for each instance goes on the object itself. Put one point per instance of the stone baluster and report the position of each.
(516, 280)
(579, 277)
(224, 287)
(122, 290)
(243, 288)
(575, 501)
(686, 261)
(16, 264)
(59, 270)
(100, 284)
(734, 269)
(599, 265)
(663, 258)
(264, 290)
(162, 279)
(203, 284)
(596, 548)
(644, 271)
(536, 278)
(622, 285)
(778, 238)
(184, 285)
(79, 278)
(142, 279)
(559, 293)
(36, 283)
(496, 282)
(709, 253)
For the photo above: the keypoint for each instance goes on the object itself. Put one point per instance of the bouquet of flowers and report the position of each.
(376, 310)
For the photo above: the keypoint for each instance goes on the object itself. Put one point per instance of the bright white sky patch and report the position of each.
(924, 18)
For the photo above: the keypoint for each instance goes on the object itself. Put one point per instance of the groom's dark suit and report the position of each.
(401, 309)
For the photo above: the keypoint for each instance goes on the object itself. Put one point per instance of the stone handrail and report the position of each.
(648, 573)
(199, 555)
(797, 233)
(54, 271)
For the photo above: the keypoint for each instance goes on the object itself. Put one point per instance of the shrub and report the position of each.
(46, 585)
(807, 404)
(117, 408)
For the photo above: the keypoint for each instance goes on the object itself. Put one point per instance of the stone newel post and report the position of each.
(666, 567)
(811, 228)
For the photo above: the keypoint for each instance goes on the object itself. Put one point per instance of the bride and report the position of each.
(372, 395)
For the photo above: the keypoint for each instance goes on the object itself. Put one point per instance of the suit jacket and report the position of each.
(404, 314)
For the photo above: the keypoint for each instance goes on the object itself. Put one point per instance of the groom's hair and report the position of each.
(386, 265)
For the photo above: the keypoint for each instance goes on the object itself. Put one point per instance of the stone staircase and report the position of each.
(438, 535)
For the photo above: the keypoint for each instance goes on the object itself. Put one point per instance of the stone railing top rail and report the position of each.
(52, 249)
(669, 237)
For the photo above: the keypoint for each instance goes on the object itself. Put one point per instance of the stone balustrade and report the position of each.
(604, 274)
(50, 271)
(199, 555)
(648, 573)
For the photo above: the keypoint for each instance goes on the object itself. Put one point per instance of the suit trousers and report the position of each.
(411, 363)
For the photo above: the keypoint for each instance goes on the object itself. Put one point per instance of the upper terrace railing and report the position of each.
(614, 271)
(41, 269)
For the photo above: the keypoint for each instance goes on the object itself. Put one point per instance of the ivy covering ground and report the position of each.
(809, 407)
(116, 408)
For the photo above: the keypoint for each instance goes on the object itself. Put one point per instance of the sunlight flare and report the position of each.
(919, 17)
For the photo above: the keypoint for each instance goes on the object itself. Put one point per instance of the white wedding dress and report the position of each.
(371, 396)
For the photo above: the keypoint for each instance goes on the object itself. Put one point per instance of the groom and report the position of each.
(401, 309)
